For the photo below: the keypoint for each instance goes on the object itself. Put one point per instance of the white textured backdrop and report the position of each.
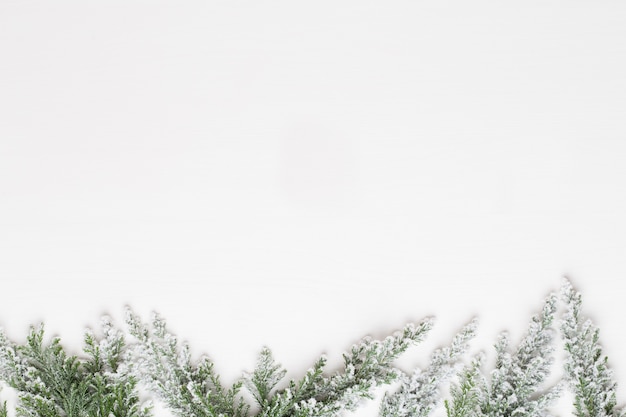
(301, 174)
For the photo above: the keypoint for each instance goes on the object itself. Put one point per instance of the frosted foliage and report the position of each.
(516, 381)
(264, 378)
(366, 366)
(189, 389)
(419, 393)
(51, 383)
(586, 369)
(103, 380)
(34, 394)
(192, 390)
(466, 395)
(515, 386)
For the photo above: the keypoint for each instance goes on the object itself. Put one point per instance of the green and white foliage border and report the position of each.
(121, 365)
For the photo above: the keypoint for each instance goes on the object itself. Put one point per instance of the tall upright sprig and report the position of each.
(466, 396)
(188, 388)
(586, 369)
(516, 382)
(267, 374)
(367, 365)
(419, 393)
(115, 389)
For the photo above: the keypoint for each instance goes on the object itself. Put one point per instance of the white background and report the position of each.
(299, 175)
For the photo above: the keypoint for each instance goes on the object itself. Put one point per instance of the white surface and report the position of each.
(299, 175)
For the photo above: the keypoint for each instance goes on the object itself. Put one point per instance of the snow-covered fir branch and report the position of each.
(116, 388)
(419, 393)
(188, 388)
(369, 364)
(267, 374)
(516, 383)
(52, 383)
(586, 369)
(515, 386)
(193, 389)
(466, 395)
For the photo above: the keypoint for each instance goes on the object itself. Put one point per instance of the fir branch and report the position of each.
(264, 378)
(586, 369)
(466, 396)
(114, 388)
(189, 389)
(287, 402)
(419, 394)
(515, 386)
(51, 383)
(367, 366)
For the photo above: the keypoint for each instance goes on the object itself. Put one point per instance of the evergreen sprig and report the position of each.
(369, 364)
(188, 388)
(514, 387)
(267, 374)
(116, 390)
(466, 396)
(52, 383)
(193, 389)
(419, 393)
(586, 369)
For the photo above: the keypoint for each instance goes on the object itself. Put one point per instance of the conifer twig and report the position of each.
(419, 393)
(586, 369)
(466, 396)
(51, 383)
(366, 366)
(188, 388)
(516, 381)
(514, 387)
